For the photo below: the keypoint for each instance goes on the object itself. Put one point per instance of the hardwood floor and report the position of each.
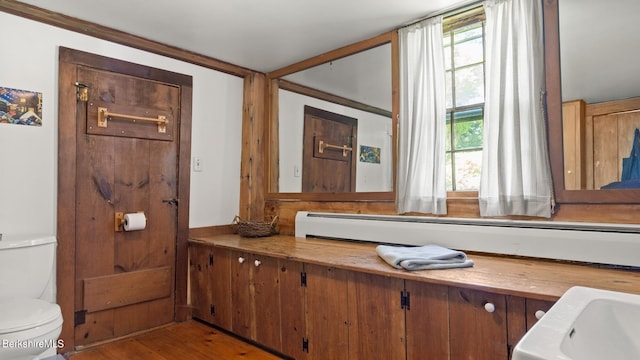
(187, 340)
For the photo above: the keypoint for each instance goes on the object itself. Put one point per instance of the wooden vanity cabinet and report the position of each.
(313, 311)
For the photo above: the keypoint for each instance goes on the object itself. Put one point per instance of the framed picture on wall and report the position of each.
(20, 107)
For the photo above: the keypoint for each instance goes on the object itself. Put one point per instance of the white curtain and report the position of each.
(421, 161)
(516, 175)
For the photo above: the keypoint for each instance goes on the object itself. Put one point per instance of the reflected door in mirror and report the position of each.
(328, 163)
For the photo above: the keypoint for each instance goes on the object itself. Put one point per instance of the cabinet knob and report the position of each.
(257, 263)
(240, 259)
(489, 307)
(540, 314)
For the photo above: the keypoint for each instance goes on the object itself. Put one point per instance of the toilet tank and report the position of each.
(27, 266)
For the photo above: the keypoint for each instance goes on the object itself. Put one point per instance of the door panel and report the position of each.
(125, 280)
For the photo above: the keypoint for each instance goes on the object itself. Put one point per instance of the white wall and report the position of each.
(28, 155)
(373, 130)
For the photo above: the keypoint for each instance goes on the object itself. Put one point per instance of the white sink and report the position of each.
(585, 324)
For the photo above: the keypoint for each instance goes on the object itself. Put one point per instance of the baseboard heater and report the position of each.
(614, 244)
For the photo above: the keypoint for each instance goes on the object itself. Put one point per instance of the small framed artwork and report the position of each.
(369, 154)
(20, 107)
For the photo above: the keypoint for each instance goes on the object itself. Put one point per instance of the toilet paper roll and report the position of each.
(134, 221)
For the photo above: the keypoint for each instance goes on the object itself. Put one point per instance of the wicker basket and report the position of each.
(255, 228)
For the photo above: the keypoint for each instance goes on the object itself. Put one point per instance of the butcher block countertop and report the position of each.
(526, 277)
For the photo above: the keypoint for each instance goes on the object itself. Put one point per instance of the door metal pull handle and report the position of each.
(104, 115)
(322, 146)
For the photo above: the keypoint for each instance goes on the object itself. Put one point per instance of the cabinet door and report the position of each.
(376, 317)
(199, 274)
(292, 309)
(265, 305)
(327, 318)
(427, 319)
(476, 333)
(210, 284)
(240, 294)
(533, 307)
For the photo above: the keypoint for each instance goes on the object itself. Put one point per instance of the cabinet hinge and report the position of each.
(305, 345)
(213, 310)
(79, 317)
(405, 300)
(211, 259)
(303, 279)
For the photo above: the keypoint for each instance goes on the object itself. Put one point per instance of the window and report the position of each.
(464, 64)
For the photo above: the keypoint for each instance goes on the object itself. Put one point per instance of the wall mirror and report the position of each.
(353, 82)
(597, 47)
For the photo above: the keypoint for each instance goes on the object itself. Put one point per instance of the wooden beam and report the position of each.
(253, 149)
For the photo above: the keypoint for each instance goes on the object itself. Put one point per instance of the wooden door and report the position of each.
(329, 152)
(476, 333)
(327, 314)
(427, 321)
(125, 279)
(376, 317)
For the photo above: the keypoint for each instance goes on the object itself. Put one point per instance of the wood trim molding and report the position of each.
(66, 231)
(119, 37)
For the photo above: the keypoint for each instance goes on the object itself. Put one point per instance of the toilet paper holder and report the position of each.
(119, 220)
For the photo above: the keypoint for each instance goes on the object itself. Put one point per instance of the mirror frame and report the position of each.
(272, 111)
(554, 113)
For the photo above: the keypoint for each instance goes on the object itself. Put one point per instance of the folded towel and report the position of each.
(428, 257)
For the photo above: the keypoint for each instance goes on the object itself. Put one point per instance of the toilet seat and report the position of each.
(20, 314)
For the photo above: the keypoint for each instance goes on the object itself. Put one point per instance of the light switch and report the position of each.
(197, 163)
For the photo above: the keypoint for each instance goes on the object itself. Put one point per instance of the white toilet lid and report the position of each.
(20, 314)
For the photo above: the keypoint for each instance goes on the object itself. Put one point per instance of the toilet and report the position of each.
(30, 320)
